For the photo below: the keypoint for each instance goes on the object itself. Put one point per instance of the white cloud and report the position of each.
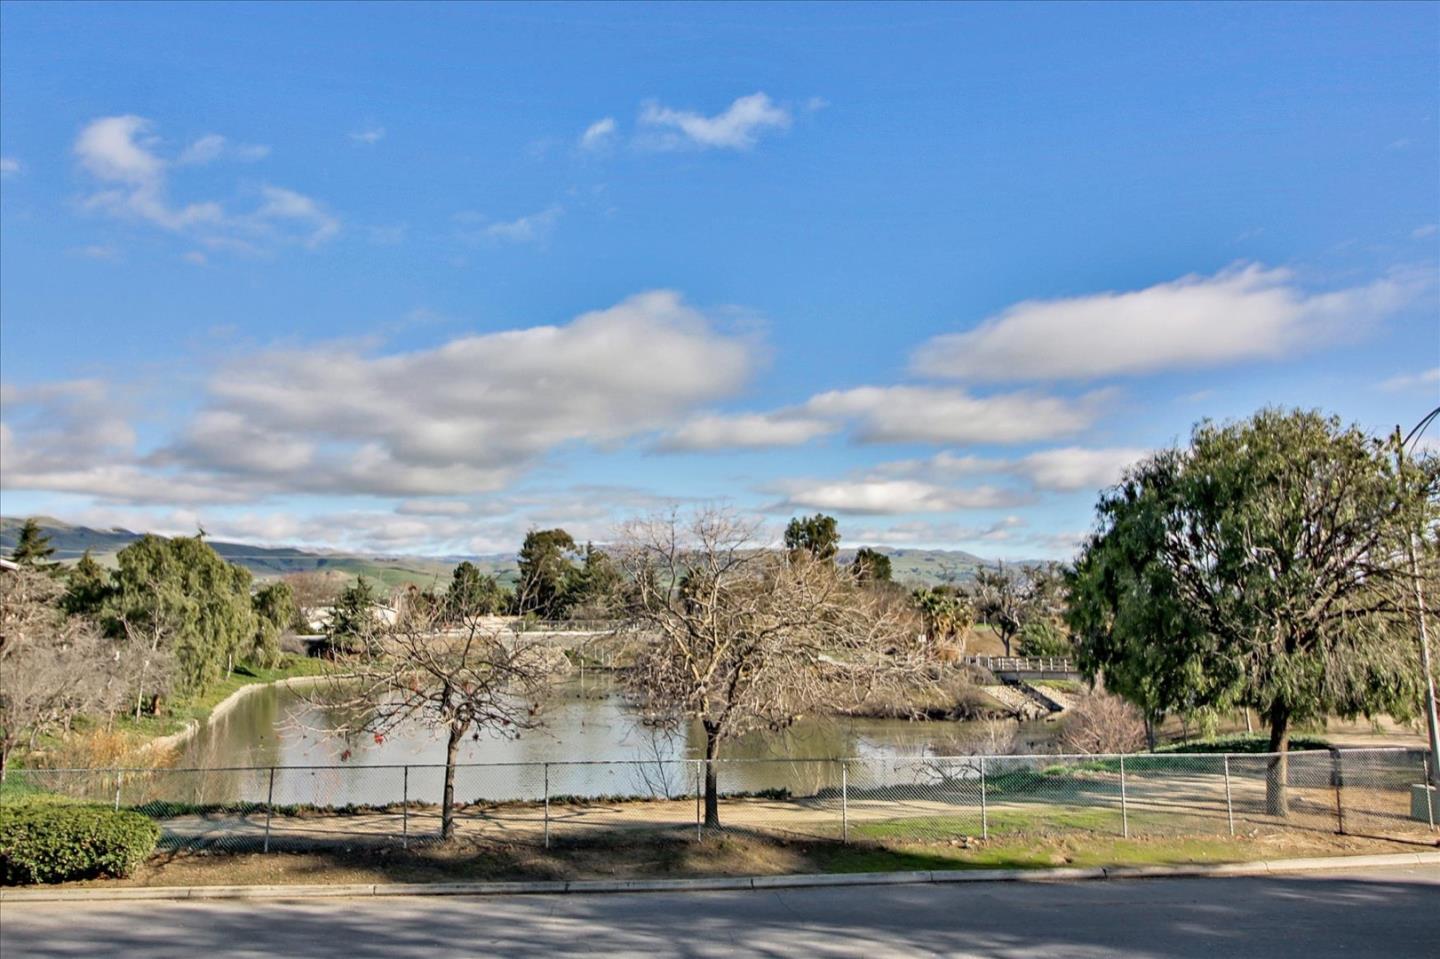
(213, 146)
(282, 204)
(897, 414)
(526, 229)
(925, 414)
(744, 431)
(9, 166)
(1063, 469)
(875, 496)
(1403, 382)
(599, 134)
(1242, 313)
(120, 153)
(737, 128)
(1071, 468)
(464, 417)
(369, 136)
(194, 257)
(1424, 231)
(433, 507)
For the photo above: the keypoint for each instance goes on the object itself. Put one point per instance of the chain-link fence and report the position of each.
(1370, 792)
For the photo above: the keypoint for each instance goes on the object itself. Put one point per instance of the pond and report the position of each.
(584, 721)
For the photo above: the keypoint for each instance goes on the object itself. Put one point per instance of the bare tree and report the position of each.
(461, 680)
(1104, 723)
(313, 590)
(1002, 599)
(53, 667)
(741, 637)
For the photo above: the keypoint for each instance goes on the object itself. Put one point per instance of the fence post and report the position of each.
(405, 808)
(1337, 776)
(1429, 792)
(844, 801)
(699, 817)
(1229, 806)
(119, 779)
(547, 805)
(1124, 803)
(984, 805)
(269, 807)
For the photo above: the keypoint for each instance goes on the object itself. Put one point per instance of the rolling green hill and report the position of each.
(911, 566)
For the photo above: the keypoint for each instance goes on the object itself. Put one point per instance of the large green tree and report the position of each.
(352, 623)
(547, 568)
(32, 548)
(87, 587)
(179, 596)
(818, 535)
(275, 609)
(1259, 568)
(871, 566)
(472, 593)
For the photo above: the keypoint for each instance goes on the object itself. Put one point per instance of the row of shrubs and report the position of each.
(42, 842)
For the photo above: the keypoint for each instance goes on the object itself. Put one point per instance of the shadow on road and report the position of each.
(1276, 917)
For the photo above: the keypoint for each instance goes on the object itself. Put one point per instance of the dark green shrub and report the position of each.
(54, 842)
(1241, 743)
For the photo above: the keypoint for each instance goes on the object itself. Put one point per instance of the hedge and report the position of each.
(54, 842)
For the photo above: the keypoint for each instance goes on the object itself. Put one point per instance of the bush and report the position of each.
(1044, 639)
(1242, 743)
(53, 842)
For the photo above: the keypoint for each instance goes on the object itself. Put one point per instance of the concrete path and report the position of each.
(1378, 912)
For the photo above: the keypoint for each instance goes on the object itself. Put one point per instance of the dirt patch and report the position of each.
(721, 855)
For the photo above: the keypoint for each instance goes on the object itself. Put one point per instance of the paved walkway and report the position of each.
(1387, 912)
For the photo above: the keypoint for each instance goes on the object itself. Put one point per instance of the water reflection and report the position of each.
(589, 721)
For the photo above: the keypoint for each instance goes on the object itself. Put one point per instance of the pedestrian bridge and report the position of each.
(1026, 667)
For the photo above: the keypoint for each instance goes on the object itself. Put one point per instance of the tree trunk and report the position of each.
(712, 788)
(1150, 731)
(4, 761)
(1277, 775)
(447, 799)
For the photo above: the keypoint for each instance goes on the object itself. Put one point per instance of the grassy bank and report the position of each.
(729, 855)
(182, 711)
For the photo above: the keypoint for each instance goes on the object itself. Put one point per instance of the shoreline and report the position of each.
(176, 739)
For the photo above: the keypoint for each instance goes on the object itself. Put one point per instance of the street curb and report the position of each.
(717, 883)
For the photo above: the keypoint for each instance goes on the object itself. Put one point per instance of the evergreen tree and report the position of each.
(472, 593)
(88, 586)
(33, 548)
(871, 566)
(546, 570)
(818, 535)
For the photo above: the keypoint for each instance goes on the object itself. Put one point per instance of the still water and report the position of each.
(583, 720)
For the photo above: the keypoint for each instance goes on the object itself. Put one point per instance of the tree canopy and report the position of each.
(818, 535)
(180, 595)
(546, 562)
(472, 593)
(32, 548)
(871, 566)
(1259, 568)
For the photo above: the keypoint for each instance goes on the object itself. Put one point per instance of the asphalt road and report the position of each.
(1390, 912)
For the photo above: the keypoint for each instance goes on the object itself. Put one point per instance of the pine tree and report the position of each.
(33, 549)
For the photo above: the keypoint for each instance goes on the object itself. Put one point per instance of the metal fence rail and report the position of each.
(1374, 792)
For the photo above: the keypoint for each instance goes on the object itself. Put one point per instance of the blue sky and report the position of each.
(417, 278)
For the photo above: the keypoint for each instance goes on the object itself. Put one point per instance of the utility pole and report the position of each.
(1412, 551)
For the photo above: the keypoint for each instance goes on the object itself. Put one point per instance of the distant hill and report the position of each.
(916, 566)
(72, 541)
